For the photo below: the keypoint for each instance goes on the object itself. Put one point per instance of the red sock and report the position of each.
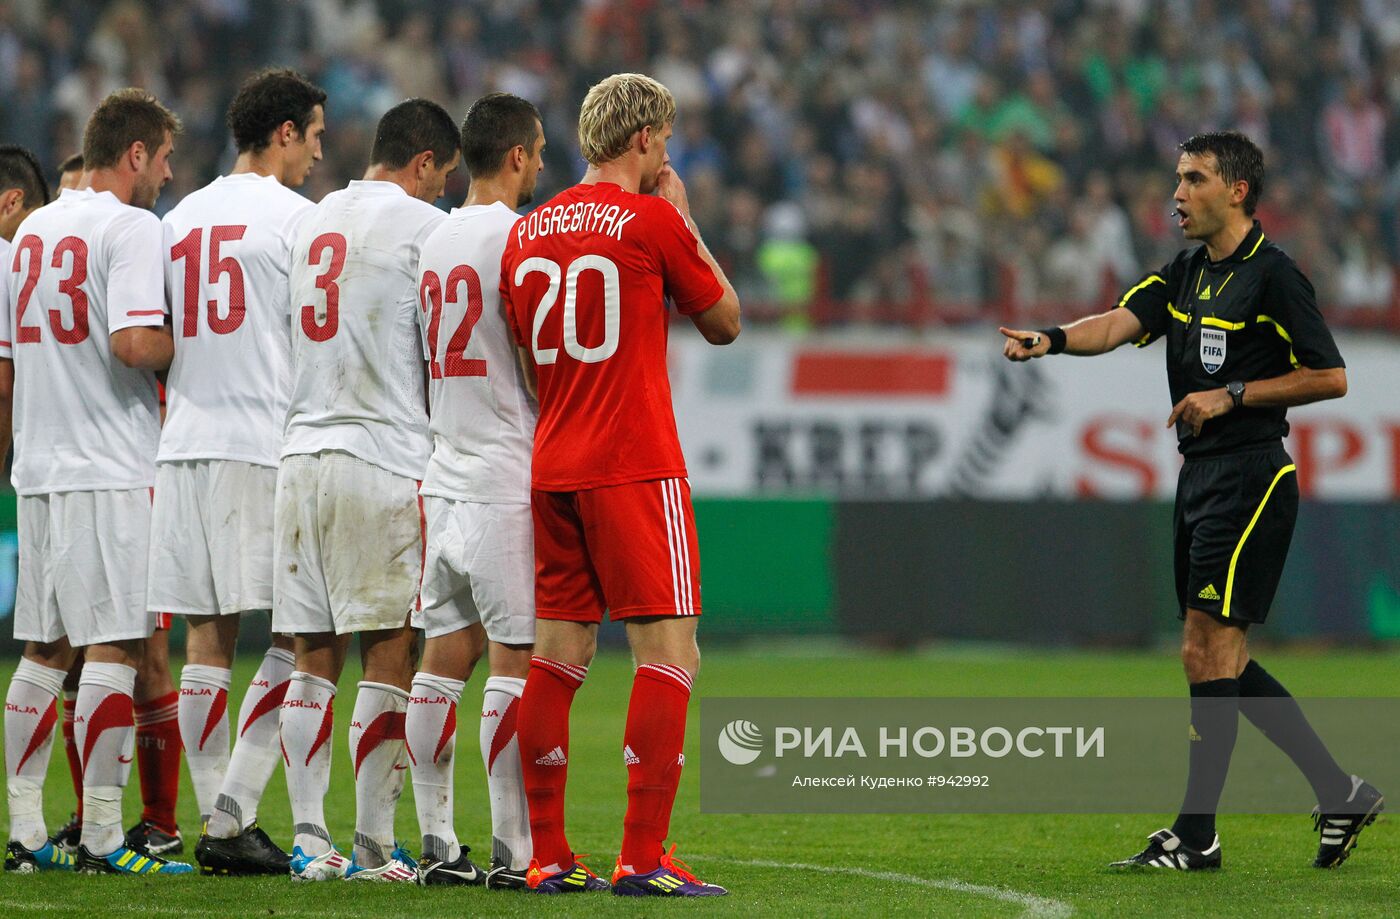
(70, 747)
(158, 758)
(543, 732)
(652, 746)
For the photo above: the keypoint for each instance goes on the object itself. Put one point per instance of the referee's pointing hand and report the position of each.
(1199, 407)
(1016, 349)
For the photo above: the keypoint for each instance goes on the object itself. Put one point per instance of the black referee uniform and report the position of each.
(1250, 316)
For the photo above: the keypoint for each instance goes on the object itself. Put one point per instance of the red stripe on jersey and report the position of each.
(851, 373)
(145, 312)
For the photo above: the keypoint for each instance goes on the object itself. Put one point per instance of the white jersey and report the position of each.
(357, 364)
(228, 249)
(82, 268)
(482, 419)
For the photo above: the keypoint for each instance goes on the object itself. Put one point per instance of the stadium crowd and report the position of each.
(850, 161)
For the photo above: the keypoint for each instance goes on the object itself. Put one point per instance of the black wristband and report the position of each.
(1057, 337)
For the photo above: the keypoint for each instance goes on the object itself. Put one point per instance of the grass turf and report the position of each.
(875, 865)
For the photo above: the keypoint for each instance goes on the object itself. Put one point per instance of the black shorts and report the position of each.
(1233, 523)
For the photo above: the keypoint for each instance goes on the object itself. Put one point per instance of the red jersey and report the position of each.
(585, 279)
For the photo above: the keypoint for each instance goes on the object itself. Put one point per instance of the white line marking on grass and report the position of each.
(1036, 907)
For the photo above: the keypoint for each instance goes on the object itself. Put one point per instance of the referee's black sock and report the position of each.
(1215, 722)
(1271, 709)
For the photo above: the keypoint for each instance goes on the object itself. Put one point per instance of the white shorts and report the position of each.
(479, 567)
(82, 567)
(211, 538)
(348, 540)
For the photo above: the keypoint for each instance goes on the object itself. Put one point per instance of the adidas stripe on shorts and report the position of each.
(629, 549)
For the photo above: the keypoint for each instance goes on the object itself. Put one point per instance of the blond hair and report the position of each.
(618, 107)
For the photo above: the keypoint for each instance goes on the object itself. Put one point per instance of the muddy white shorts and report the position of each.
(82, 566)
(348, 546)
(211, 538)
(480, 567)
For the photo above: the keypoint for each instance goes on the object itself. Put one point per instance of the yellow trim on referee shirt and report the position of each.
(1255, 249)
(1222, 324)
(1283, 333)
(1150, 279)
(1230, 576)
(1177, 314)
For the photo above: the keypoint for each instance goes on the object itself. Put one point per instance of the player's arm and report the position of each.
(144, 347)
(527, 369)
(719, 322)
(7, 403)
(1318, 373)
(137, 318)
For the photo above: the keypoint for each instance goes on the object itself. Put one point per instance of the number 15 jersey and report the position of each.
(229, 251)
(585, 279)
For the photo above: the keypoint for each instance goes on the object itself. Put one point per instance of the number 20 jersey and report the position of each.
(82, 268)
(482, 420)
(586, 278)
(228, 251)
(357, 362)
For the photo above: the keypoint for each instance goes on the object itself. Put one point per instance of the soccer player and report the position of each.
(587, 278)
(480, 561)
(1238, 310)
(70, 172)
(347, 532)
(22, 191)
(229, 250)
(157, 727)
(86, 429)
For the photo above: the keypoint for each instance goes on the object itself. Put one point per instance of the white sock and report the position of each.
(377, 752)
(106, 735)
(500, 753)
(430, 728)
(204, 730)
(308, 715)
(255, 749)
(31, 714)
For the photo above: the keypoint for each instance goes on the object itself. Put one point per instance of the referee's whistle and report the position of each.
(1032, 341)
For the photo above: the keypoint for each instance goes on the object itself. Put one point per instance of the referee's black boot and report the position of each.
(1166, 850)
(1341, 826)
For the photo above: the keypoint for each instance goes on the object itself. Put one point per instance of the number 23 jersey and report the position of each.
(585, 278)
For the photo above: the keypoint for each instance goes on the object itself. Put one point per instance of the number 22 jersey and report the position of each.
(585, 278)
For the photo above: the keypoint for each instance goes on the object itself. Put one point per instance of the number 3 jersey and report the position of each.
(586, 278)
(357, 364)
(228, 252)
(82, 268)
(481, 417)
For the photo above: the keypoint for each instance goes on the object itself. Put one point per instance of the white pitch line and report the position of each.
(1036, 907)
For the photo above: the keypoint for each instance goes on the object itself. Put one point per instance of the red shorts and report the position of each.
(163, 621)
(630, 549)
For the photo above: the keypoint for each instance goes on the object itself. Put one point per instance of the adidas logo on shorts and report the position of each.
(630, 758)
(554, 757)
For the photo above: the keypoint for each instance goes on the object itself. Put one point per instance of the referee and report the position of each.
(1245, 341)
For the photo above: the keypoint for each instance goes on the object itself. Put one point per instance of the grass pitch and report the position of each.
(796, 865)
